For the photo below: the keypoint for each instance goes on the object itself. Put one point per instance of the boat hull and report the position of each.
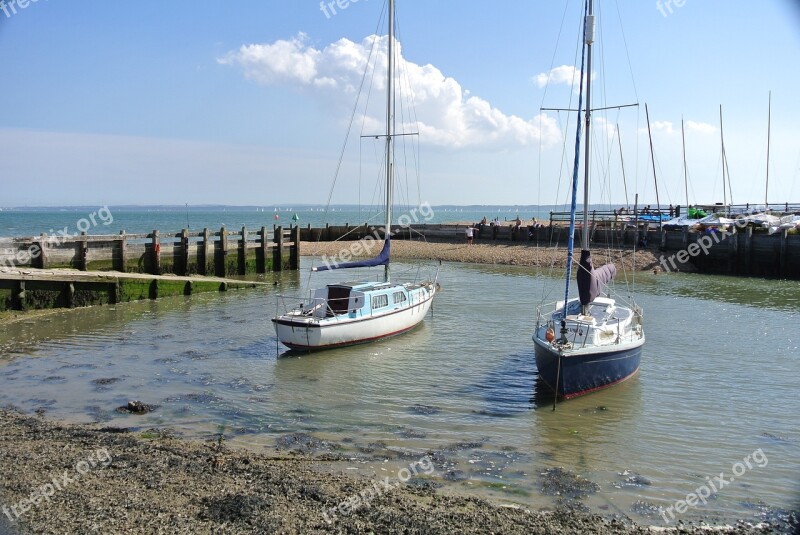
(307, 335)
(586, 371)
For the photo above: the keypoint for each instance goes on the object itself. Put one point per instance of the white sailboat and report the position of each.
(356, 312)
(588, 343)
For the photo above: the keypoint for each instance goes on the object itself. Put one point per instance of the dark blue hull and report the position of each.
(585, 373)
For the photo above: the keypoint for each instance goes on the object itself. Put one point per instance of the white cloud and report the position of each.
(662, 126)
(445, 113)
(702, 128)
(565, 74)
(562, 75)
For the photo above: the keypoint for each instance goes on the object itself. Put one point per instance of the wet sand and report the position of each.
(506, 253)
(87, 478)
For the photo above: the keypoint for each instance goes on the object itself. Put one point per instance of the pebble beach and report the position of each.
(65, 479)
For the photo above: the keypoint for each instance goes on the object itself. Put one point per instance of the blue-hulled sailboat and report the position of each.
(592, 342)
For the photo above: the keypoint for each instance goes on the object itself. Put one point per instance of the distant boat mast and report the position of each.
(769, 128)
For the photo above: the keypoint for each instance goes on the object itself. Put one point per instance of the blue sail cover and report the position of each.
(381, 260)
(592, 281)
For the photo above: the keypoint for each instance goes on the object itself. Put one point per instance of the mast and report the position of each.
(653, 159)
(685, 169)
(588, 39)
(769, 127)
(722, 141)
(622, 163)
(389, 132)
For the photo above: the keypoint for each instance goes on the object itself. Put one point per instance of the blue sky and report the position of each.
(247, 102)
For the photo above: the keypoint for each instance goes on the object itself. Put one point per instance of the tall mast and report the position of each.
(389, 131)
(722, 141)
(653, 159)
(769, 127)
(685, 169)
(588, 39)
(622, 164)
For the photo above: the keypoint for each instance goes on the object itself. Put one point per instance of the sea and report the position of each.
(711, 419)
(26, 222)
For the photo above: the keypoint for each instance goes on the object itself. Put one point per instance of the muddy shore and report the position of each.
(86, 478)
(526, 254)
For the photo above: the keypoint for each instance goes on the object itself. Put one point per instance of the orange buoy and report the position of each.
(550, 334)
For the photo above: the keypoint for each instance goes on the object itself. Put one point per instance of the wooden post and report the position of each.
(294, 254)
(221, 264)
(185, 251)
(42, 257)
(733, 255)
(277, 252)
(206, 249)
(155, 250)
(84, 252)
(243, 252)
(685, 236)
(261, 264)
(18, 297)
(748, 251)
(70, 295)
(784, 263)
(121, 251)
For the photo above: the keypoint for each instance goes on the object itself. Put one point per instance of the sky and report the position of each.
(249, 102)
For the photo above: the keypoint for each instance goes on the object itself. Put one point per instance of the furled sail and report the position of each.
(592, 281)
(381, 260)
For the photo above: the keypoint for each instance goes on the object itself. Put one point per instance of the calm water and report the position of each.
(72, 220)
(719, 381)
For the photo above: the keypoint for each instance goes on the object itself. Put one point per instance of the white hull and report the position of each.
(309, 333)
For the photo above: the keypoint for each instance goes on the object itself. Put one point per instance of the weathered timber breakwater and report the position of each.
(221, 253)
(149, 482)
(51, 271)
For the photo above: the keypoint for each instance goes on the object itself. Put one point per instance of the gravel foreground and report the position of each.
(527, 254)
(88, 479)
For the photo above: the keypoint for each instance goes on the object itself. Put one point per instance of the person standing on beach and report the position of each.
(470, 234)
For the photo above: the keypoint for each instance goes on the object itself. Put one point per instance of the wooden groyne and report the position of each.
(222, 254)
(73, 271)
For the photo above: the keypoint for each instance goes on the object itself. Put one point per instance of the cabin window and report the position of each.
(398, 297)
(380, 301)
